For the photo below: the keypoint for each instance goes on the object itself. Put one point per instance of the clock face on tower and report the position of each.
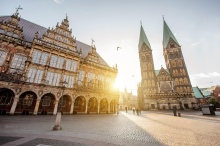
(165, 87)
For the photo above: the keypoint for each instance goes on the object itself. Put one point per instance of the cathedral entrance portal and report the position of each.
(186, 106)
(152, 106)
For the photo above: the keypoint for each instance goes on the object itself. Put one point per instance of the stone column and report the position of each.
(36, 107)
(86, 106)
(55, 107)
(71, 108)
(14, 105)
(108, 107)
(98, 107)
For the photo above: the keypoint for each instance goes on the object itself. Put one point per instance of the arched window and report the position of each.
(176, 81)
(180, 62)
(186, 81)
(177, 89)
(189, 89)
(185, 89)
(181, 89)
(173, 63)
(181, 81)
(174, 73)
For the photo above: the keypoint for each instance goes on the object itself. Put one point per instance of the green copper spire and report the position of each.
(143, 39)
(167, 34)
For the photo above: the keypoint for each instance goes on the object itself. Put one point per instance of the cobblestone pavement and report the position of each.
(149, 128)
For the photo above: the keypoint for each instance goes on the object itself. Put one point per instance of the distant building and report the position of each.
(200, 98)
(216, 92)
(127, 100)
(35, 62)
(164, 88)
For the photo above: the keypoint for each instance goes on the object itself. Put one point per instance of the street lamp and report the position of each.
(57, 126)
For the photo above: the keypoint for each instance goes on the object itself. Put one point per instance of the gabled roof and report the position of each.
(197, 92)
(158, 71)
(29, 30)
(143, 39)
(167, 34)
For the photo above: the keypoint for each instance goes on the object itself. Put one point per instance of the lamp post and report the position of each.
(57, 126)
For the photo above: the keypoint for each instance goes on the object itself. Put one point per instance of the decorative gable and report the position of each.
(11, 27)
(165, 82)
(61, 36)
(92, 56)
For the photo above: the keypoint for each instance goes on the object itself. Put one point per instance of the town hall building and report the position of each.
(42, 69)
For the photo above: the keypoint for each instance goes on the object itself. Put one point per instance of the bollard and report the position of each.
(179, 114)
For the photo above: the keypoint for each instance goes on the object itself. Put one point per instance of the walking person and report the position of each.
(133, 110)
(137, 111)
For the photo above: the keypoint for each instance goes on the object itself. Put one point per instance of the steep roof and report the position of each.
(197, 92)
(29, 30)
(143, 39)
(167, 34)
(158, 71)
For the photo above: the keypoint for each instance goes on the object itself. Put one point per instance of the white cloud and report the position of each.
(58, 1)
(214, 74)
(203, 75)
(194, 44)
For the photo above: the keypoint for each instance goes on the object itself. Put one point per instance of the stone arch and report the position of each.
(181, 81)
(6, 100)
(26, 103)
(66, 103)
(104, 105)
(113, 105)
(47, 104)
(93, 104)
(79, 104)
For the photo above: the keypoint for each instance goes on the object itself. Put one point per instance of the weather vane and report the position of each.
(19, 8)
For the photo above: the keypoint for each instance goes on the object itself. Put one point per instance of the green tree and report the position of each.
(213, 100)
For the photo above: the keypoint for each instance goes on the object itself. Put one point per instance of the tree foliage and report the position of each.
(213, 100)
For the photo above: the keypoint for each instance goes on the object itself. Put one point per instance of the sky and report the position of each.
(116, 23)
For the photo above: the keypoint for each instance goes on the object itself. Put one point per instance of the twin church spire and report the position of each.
(167, 34)
(143, 39)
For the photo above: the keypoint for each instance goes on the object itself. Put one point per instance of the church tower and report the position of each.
(175, 62)
(148, 82)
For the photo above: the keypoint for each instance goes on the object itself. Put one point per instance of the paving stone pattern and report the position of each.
(7, 139)
(52, 142)
(150, 128)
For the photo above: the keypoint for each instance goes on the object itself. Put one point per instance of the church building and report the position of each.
(164, 88)
(42, 69)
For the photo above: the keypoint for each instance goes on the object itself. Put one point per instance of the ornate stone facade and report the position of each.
(164, 88)
(36, 62)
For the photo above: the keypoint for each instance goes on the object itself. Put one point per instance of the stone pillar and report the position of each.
(14, 105)
(71, 108)
(86, 106)
(98, 107)
(108, 107)
(36, 107)
(55, 107)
